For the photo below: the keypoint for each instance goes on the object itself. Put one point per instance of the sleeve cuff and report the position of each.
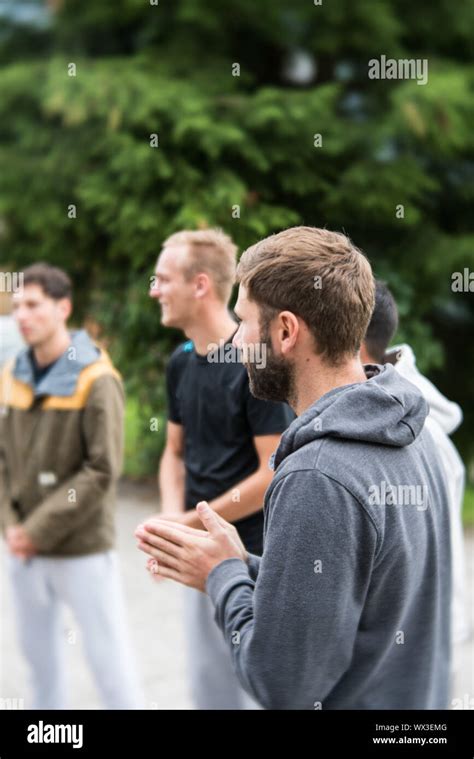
(224, 576)
(37, 533)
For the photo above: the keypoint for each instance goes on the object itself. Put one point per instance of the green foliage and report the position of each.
(142, 424)
(468, 510)
(247, 141)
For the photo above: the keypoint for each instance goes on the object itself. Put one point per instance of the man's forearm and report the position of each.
(57, 516)
(253, 564)
(171, 481)
(242, 500)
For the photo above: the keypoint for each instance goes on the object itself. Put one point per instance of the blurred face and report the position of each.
(270, 379)
(175, 295)
(38, 316)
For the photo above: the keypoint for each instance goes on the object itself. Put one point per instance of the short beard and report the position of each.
(276, 380)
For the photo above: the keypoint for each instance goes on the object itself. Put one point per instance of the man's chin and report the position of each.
(168, 321)
(31, 342)
(264, 392)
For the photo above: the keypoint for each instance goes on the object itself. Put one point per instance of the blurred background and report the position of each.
(236, 93)
(247, 141)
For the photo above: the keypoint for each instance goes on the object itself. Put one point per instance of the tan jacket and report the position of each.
(61, 446)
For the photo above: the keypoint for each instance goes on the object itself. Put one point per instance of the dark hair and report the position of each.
(53, 281)
(383, 324)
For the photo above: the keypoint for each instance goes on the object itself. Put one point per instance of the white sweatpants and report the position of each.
(214, 684)
(90, 586)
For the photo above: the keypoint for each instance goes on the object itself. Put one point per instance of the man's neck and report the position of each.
(52, 349)
(314, 380)
(211, 328)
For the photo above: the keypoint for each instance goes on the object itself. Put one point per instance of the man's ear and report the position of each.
(288, 330)
(202, 284)
(65, 308)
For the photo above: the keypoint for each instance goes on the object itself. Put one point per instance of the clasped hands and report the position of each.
(186, 554)
(19, 543)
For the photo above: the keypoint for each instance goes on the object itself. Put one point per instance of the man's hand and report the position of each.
(178, 518)
(189, 517)
(188, 555)
(19, 543)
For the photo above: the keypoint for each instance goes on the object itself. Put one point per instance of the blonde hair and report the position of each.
(210, 251)
(318, 275)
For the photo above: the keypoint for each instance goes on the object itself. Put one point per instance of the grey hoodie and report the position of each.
(348, 608)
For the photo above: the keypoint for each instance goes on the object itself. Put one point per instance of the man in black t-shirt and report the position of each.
(219, 437)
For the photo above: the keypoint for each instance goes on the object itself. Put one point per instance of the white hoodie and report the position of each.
(444, 418)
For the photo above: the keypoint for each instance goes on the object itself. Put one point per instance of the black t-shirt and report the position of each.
(220, 417)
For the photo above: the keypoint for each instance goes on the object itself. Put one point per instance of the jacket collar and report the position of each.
(62, 378)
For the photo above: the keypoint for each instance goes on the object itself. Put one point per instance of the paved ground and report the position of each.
(154, 617)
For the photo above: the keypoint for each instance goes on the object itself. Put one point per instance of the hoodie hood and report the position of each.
(444, 412)
(386, 410)
(62, 378)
